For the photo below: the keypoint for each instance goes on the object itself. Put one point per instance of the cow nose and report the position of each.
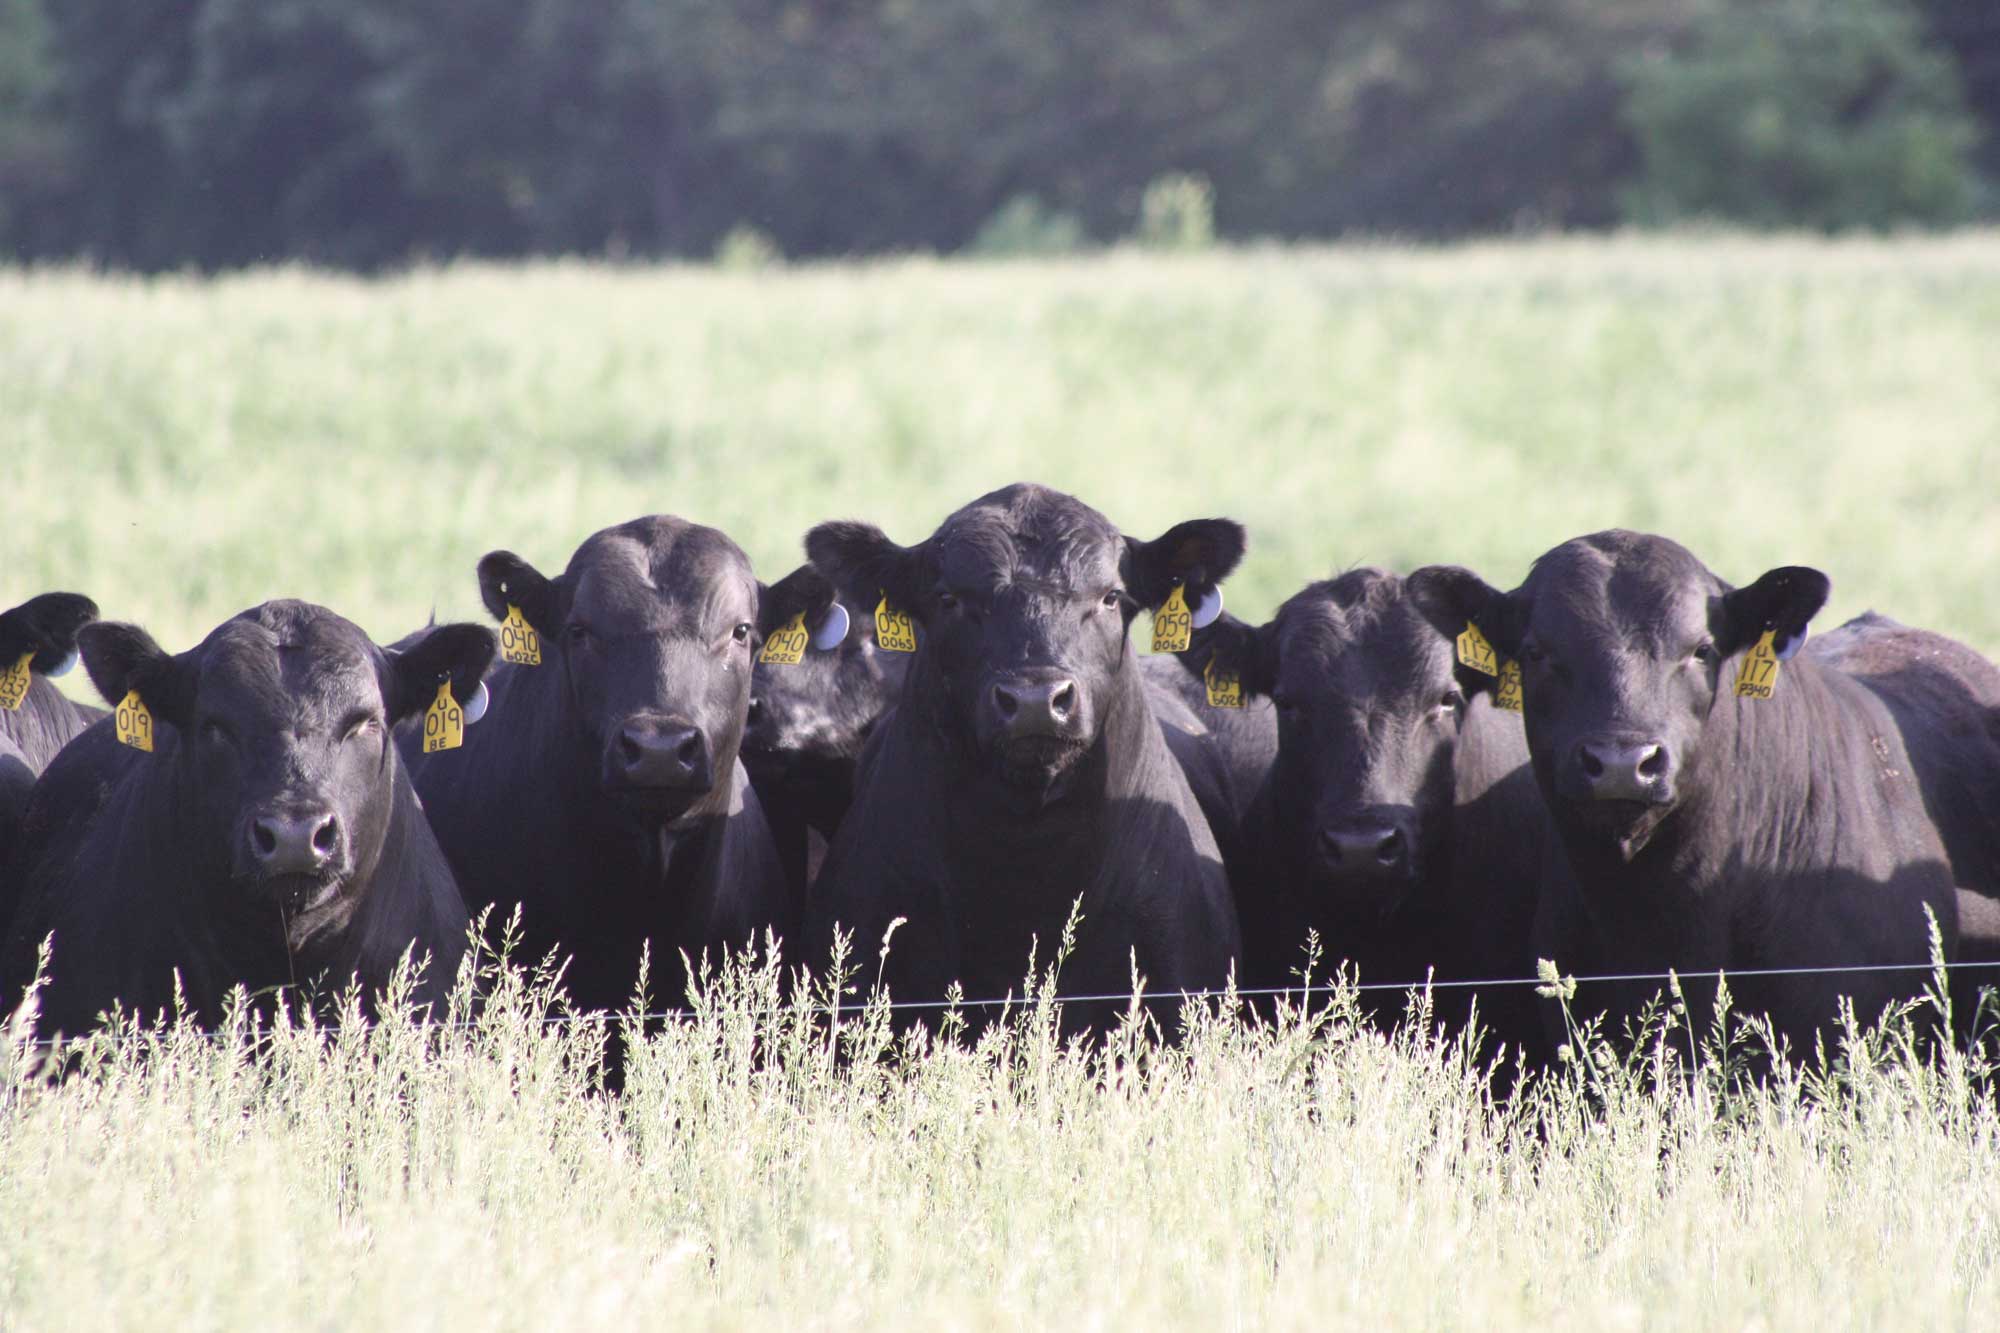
(1626, 770)
(295, 844)
(1368, 850)
(662, 754)
(1036, 707)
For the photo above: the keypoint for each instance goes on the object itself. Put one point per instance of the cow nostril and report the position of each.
(1593, 767)
(326, 836)
(1006, 701)
(1390, 849)
(1330, 841)
(1064, 699)
(1653, 764)
(265, 838)
(629, 749)
(689, 750)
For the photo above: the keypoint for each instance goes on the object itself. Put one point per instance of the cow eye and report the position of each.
(1113, 599)
(947, 602)
(215, 733)
(741, 633)
(356, 725)
(1452, 702)
(1705, 654)
(1532, 652)
(578, 634)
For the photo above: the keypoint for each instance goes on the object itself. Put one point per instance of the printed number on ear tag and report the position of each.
(14, 682)
(787, 644)
(1757, 678)
(894, 631)
(1507, 694)
(518, 641)
(134, 722)
(444, 721)
(1474, 651)
(1173, 624)
(1225, 687)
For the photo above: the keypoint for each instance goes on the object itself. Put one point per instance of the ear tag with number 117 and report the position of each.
(1757, 678)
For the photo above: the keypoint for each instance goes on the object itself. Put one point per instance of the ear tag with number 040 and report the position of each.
(1474, 651)
(787, 644)
(1757, 678)
(894, 630)
(444, 721)
(14, 682)
(1173, 625)
(1507, 694)
(1225, 687)
(134, 722)
(519, 643)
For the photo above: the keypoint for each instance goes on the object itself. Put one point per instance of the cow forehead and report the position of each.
(289, 668)
(660, 578)
(1360, 637)
(1634, 588)
(1040, 537)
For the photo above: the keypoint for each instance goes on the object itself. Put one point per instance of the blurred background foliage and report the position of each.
(361, 133)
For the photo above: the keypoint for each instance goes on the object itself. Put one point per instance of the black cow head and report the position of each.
(45, 626)
(652, 631)
(1624, 642)
(1369, 708)
(822, 707)
(1023, 600)
(283, 716)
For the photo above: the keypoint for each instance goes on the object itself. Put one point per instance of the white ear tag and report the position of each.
(64, 667)
(1210, 608)
(475, 707)
(832, 630)
(1792, 646)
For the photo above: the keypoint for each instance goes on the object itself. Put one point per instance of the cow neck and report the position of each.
(46, 721)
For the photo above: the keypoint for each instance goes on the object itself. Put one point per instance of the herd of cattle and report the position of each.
(1625, 765)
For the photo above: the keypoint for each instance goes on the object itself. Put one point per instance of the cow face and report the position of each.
(823, 706)
(1625, 642)
(283, 717)
(1369, 709)
(651, 632)
(1024, 599)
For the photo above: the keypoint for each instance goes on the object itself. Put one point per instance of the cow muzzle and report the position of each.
(658, 754)
(1623, 768)
(1367, 850)
(1040, 705)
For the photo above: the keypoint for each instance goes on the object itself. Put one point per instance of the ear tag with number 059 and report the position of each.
(518, 641)
(1757, 678)
(444, 721)
(1173, 625)
(1507, 694)
(14, 682)
(787, 644)
(1225, 687)
(134, 722)
(893, 629)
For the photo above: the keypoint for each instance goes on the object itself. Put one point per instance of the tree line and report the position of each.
(361, 133)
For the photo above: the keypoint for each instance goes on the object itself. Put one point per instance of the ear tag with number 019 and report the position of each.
(519, 643)
(444, 721)
(14, 682)
(1474, 651)
(787, 644)
(1757, 678)
(1225, 687)
(134, 722)
(1173, 625)
(893, 629)
(1507, 694)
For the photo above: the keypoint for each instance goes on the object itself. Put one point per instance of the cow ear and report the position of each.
(1199, 554)
(45, 626)
(1249, 651)
(806, 590)
(505, 579)
(1450, 598)
(461, 652)
(864, 566)
(1783, 601)
(123, 659)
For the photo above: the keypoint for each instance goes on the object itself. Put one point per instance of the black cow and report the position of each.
(1401, 822)
(270, 837)
(807, 724)
(604, 798)
(37, 640)
(1023, 767)
(1698, 827)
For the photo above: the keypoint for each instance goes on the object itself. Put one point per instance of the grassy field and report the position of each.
(181, 449)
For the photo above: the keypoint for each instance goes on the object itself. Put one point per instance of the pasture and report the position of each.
(180, 449)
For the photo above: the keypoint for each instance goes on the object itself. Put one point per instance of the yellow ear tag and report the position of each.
(1173, 624)
(134, 722)
(518, 641)
(1757, 678)
(1474, 651)
(1225, 687)
(787, 644)
(1507, 694)
(14, 682)
(444, 721)
(893, 629)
